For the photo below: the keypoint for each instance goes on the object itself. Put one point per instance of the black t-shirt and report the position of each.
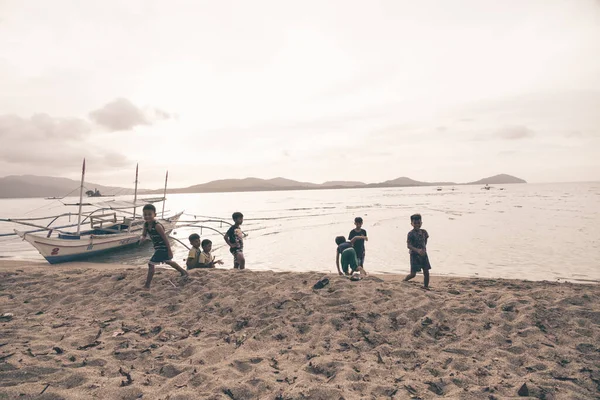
(235, 236)
(344, 246)
(417, 239)
(359, 244)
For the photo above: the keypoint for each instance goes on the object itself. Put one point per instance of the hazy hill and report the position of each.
(43, 186)
(17, 186)
(407, 182)
(498, 180)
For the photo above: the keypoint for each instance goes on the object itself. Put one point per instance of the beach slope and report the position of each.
(86, 331)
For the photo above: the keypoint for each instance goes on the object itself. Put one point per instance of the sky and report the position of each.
(308, 90)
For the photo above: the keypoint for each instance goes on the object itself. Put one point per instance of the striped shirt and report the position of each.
(157, 240)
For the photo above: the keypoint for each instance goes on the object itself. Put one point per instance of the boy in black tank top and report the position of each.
(162, 247)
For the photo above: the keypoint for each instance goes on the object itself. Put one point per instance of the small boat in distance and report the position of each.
(53, 198)
(96, 193)
(439, 189)
(486, 187)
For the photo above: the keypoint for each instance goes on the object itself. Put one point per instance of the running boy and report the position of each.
(235, 240)
(359, 244)
(347, 254)
(417, 244)
(162, 247)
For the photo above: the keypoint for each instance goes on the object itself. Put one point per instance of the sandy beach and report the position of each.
(84, 331)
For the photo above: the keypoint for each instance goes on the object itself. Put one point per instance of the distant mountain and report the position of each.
(44, 186)
(501, 179)
(247, 184)
(407, 182)
(343, 184)
(19, 186)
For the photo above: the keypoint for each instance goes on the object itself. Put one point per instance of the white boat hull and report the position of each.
(60, 250)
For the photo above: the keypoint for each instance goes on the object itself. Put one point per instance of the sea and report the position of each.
(521, 231)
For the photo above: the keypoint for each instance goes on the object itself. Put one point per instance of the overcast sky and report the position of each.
(308, 90)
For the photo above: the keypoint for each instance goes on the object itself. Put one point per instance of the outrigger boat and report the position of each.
(108, 231)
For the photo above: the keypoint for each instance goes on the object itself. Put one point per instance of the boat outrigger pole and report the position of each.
(80, 198)
(135, 192)
(165, 196)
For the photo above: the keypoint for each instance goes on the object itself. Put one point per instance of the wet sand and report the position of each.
(84, 331)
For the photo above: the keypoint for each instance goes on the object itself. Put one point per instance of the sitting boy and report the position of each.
(200, 258)
(207, 260)
(194, 254)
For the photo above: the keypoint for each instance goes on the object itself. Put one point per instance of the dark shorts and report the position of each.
(235, 250)
(160, 256)
(361, 258)
(418, 263)
(349, 260)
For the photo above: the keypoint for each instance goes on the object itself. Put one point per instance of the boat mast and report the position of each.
(80, 198)
(135, 192)
(165, 195)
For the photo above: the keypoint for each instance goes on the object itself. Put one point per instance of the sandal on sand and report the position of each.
(321, 284)
(355, 277)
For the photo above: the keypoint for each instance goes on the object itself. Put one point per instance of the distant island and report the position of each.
(21, 186)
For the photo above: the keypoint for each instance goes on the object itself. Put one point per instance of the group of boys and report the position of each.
(197, 258)
(349, 254)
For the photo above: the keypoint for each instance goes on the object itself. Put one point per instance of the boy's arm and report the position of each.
(190, 261)
(355, 238)
(144, 233)
(337, 262)
(413, 248)
(163, 235)
(227, 240)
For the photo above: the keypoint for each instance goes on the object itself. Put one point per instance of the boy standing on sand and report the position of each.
(162, 247)
(359, 244)
(235, 240)
(345, 253)
(416, 242)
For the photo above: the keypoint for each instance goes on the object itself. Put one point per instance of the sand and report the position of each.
(84, 331)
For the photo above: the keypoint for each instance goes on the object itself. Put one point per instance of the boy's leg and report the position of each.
(150, 275)
(173, 264)
(425, 278)
(241, 260)
(409, 276)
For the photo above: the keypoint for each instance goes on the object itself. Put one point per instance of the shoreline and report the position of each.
(7, 264)
(92, 332)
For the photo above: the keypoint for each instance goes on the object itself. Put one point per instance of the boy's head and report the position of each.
(416, 221)
(358, 221)
(339, 240)
(149, 212)
(206, 245)
(195, 240)
(238, 217)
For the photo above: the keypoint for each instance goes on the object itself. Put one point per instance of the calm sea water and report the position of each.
(531, 231)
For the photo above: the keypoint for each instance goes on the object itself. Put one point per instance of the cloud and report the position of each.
(122, 115)
(515, 132)
(41, 127)
(50, 144)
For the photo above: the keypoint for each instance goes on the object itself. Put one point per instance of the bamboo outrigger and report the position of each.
(108, 231)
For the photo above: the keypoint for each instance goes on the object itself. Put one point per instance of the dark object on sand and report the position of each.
(524, 391)
(321, 284)
(355, 277)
